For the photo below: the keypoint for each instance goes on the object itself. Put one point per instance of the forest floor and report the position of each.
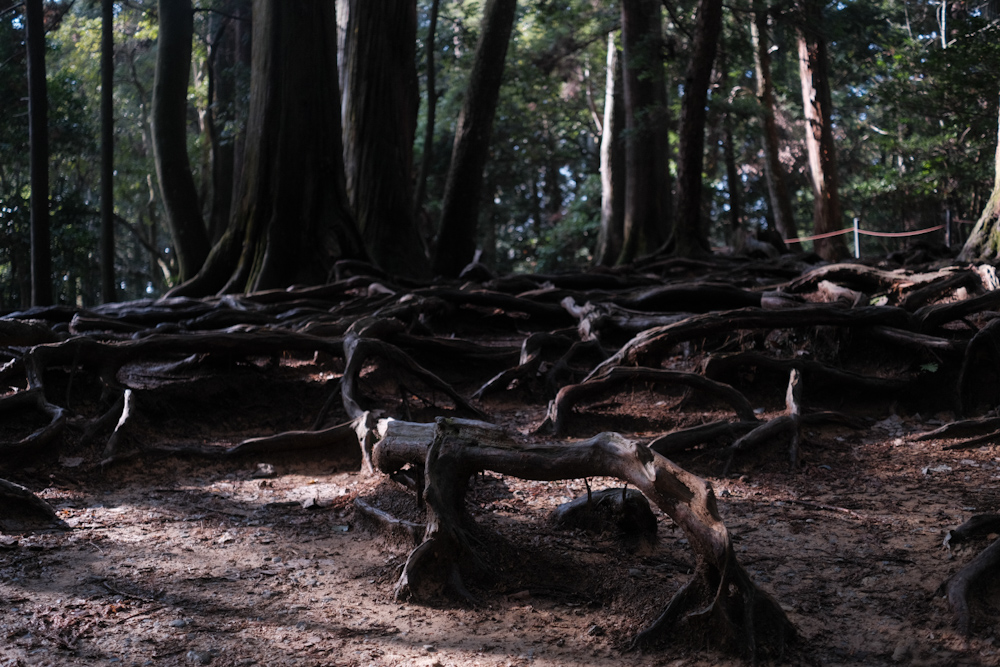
(177, 562)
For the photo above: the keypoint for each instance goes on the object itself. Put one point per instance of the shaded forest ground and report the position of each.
(180, 554)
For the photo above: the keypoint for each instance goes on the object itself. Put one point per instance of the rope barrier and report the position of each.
(866, 233)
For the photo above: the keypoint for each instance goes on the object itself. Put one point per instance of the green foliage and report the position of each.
(915, 124)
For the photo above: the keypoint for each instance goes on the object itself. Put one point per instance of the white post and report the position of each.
(857, 244)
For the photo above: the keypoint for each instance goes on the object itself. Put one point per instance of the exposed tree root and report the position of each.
(650, 345)
(562, 406)
(967, 428)
(378, 521)
(721, 604)
(831, 379)
(358, 350)
(959, 587)
(789, 424)
(20, 510)
(979, 379)
(38, 441)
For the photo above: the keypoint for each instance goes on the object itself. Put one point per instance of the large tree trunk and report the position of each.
(609, 243)
(774, 173)
(425, 161)
(38, 137)
(380, 102)
(816, 102)
(984, 242)
(689, 234)
(228, 51)
(293, 220)
(647, 148)
(456, 242)
(107, 152)
(173, 169)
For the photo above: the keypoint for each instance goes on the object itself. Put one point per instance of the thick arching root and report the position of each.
(721, 604)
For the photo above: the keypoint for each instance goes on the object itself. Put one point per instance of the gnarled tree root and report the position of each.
(962, 582)
(721, 604)
(616, 377)
(20, 509)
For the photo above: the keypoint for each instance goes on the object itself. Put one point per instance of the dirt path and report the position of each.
(179, 563)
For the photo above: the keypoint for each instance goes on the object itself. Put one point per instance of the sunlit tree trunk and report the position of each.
(609, 242)
(38, 137)
(774, 173)
(984, 242)
(813, 65)
(689, 234)
(380, 102)
(107, 152)
(173, 169)
(456, 243)
(647, 175)
(293, 220)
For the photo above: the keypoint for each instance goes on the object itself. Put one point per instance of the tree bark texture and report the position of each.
(428, 151)
(293, 220)
(609, 242)
(456, 243)
(689, 234)
(774, 172)
(169, 120)
(38, 133)
(813, 72)
(229, 51)
(647, 175)
(380, 118)
(984, 241)
(107, 152)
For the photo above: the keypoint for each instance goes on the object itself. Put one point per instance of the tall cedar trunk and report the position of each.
(460, 208)
(609, 242)
(173, 170)
(647, 175)
(107, 152)
(774, 173)
(689, 234)
(38, 137)
(819, 132)
(226, 54)
(380, 119)
(984, 242)
(428, 151)
(292, 221)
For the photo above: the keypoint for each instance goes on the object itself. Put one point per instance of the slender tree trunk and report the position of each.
(38, 137)
(647, 175)
(428, 152)
(732, 177)
(293, 220)
(107, 152)
(774, 173)
(813, 65)
(690, 236)
(984, 241)
(456, 243)
(173, 170)
(381, 116)
(609, 242)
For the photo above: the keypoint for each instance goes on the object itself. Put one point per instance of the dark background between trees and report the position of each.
(303, 154)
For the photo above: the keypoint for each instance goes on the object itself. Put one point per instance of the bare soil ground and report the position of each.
(178, 562)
